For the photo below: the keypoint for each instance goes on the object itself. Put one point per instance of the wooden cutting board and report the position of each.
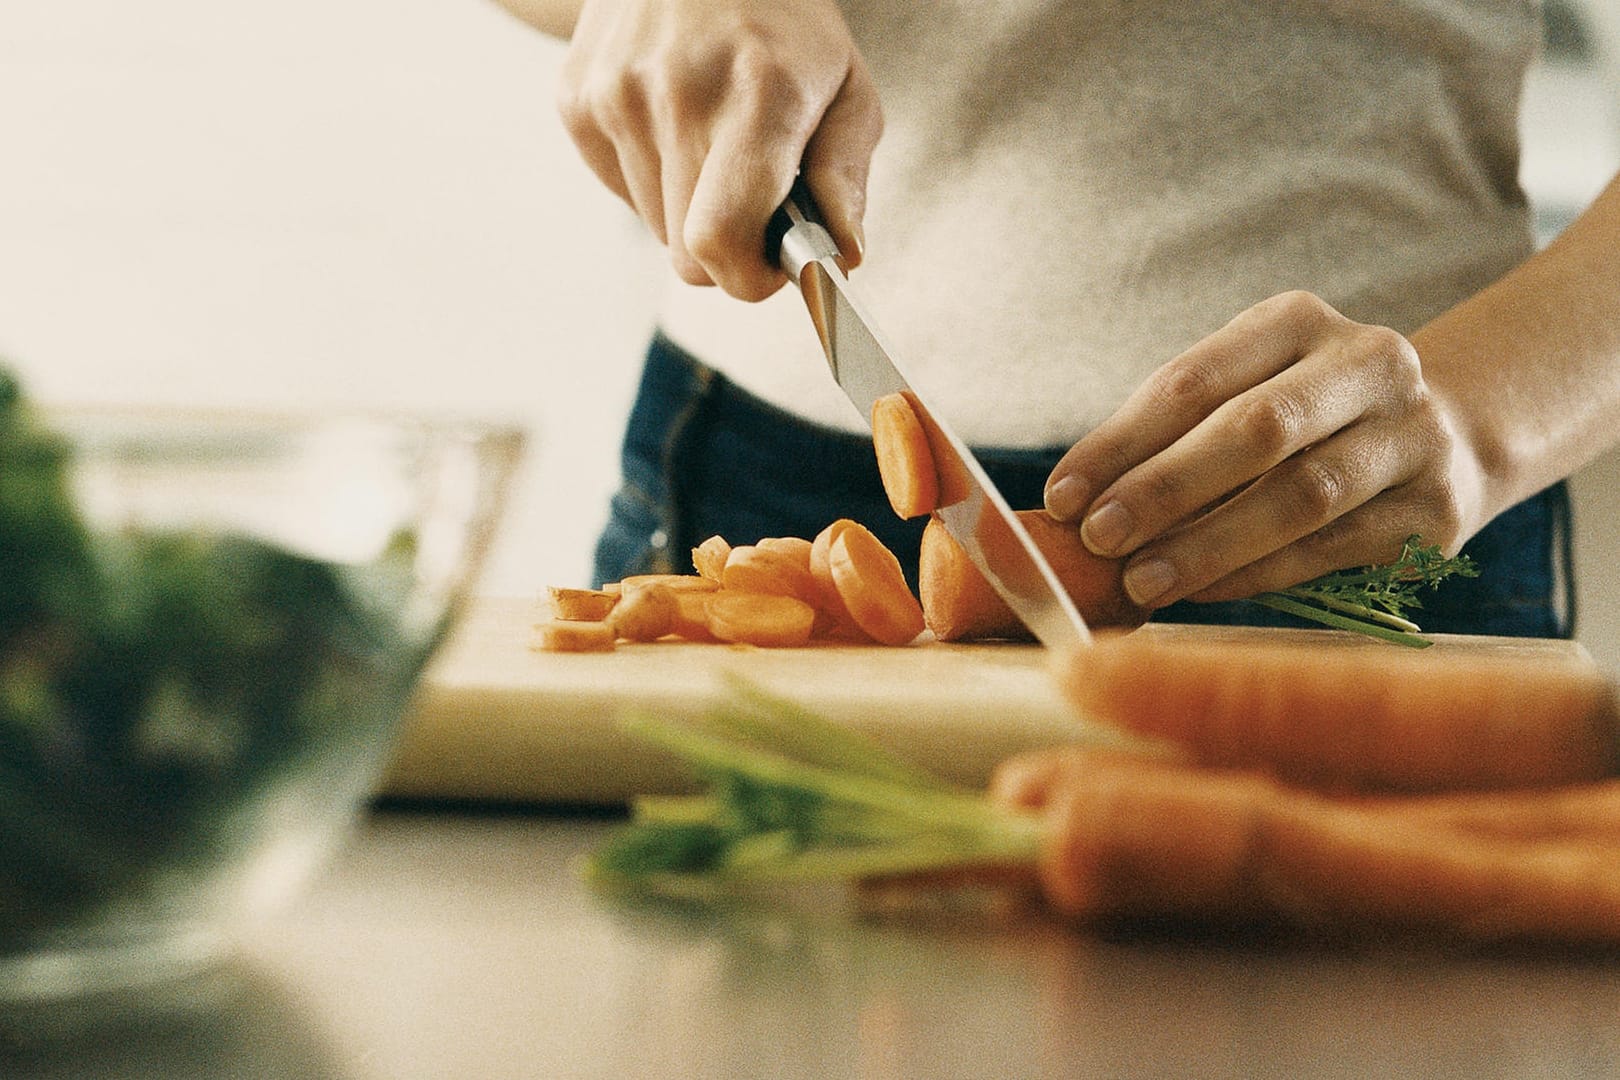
(496, 720)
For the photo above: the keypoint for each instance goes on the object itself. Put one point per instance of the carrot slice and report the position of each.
(1355, 714)
(872, 586)
(765, 619)
(959, 604)
(580, 605)
(691, 620)
(783, 571)
(905, 459)
(562, 635)
(951, 476)
(709, 557)
(678, 582)
(646, 613)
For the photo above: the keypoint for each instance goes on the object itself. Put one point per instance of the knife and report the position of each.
(863, 364)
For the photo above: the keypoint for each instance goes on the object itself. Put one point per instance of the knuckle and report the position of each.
(1270, 423)
(1301, 305)
(1316, 488)
(1184, 382)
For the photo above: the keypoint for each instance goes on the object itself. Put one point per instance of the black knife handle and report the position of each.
(798, 206)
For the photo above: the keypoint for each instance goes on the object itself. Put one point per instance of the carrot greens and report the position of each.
(794, 797)
(1374, 599)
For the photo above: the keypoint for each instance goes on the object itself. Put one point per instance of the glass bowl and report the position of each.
(210, 626)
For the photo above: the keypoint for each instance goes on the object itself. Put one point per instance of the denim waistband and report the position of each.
(702, 456)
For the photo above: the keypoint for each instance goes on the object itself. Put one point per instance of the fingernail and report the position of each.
(858, 234)
(1146, 581)
(1107, 530)
(1065, 499)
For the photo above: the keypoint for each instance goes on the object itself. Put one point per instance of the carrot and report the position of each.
(645, 613)
(951, 476)
(783, 570)
(563, 635)
(770, 620)
(835, 622)
(582, 605)
(709, 557)
(1351, 713)
(678, 582)
(1129, 836)
(959, 604)
(691, 619)
(869, 581)
(905, 459)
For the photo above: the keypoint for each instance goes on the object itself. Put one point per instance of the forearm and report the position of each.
(1531, 364)
(554, 17)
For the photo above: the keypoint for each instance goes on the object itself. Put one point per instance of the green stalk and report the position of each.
(1281, 602)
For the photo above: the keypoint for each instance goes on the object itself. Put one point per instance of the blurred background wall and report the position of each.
(359, 202)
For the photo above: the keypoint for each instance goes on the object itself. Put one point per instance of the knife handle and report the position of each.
(797, 234)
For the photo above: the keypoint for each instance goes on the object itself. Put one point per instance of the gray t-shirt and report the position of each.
(1068, 194)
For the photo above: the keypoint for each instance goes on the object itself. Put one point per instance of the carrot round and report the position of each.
(764, 619)
(951, 476)
(834, 622)
(581, 605)
(776, 568)
(959, 604)
(645, 613)
(568, 635)
(905, 459)
(678, 582)
(1353, 713)
(691, 619)
(872, 586)
(709, 557)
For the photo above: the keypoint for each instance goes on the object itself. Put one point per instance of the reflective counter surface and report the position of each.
(459, 944)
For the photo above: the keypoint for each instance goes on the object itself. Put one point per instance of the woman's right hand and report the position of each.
(698, 113)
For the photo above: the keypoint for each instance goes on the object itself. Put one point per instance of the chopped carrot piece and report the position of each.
(951, 476)
(835, 623)
(562, 635)
(581, 605)
(872, 586)
(646, 613)
(765, 619)
(709, 557)
(678, 582)
(904, 457)
(691, 619)
(761, 569)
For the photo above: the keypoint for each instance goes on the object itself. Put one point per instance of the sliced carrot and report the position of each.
(1356, 714)
(764, 619)
(905, 459)
(691, 619)
(872, 586)
(779, 570)
(562, 635)
(581, 605)
(645, 613)
(709, 557)
(959, 604)
(951, 476)
(678, 582)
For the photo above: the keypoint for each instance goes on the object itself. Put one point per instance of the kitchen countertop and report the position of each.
(452, 942)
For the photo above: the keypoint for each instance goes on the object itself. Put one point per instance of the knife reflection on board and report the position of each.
(977, 516)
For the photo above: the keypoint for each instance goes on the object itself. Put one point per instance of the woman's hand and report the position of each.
(1290, 443)
(698, 113)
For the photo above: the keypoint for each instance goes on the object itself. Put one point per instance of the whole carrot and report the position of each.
(1352, 714)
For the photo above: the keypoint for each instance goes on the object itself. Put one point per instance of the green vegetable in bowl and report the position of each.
(158, 689)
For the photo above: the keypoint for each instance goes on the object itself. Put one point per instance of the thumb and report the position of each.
(838, 158)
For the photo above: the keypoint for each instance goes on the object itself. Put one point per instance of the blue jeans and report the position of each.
(702, 457)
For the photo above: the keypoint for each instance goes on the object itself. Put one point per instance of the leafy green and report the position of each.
(794, 797)
(1374, 600)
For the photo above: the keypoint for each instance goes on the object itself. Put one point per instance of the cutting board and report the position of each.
(496, 720)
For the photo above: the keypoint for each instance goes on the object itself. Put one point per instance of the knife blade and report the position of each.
(865, 367)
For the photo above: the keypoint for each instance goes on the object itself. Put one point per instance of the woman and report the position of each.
(1067, 204)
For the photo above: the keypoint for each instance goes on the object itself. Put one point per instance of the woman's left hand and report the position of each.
(1290, 443)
